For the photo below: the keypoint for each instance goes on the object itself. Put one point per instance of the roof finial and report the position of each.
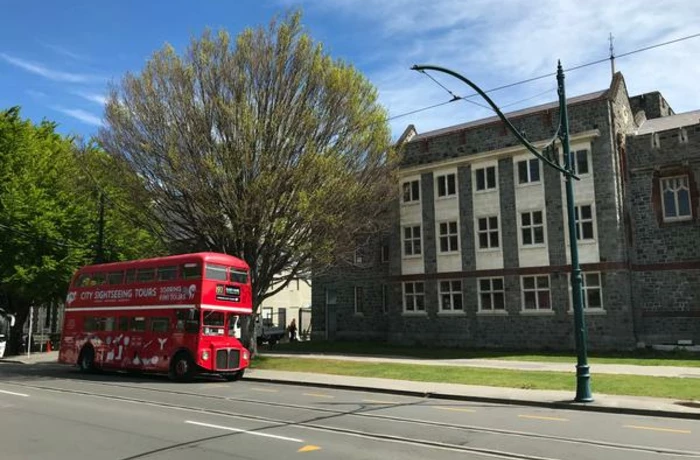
(612, 54)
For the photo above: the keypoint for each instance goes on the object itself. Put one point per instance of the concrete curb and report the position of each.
(569, 405)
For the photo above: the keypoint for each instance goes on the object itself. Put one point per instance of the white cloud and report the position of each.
(36, 94)
(496, 43)
(64, 51)
(46, 72)
(81, 115)
(92, 97)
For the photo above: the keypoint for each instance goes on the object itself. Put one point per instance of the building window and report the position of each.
(579, 162)
(528, 171)
(385, 298)
(414, 297)
(450, 295)
(358, 256)
(536, 292)
(446, 185)
(584, 222)
(486, 178)
(411, 240)
(449, 239)
(491, 294)
(532, 228)
(384, 255)
(359, 301)
(411, 191)
(488, 232)
(592, 291)
(675, 200)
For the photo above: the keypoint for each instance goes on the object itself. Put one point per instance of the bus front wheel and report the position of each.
(86, 360)
(234, 376)
(182, 367)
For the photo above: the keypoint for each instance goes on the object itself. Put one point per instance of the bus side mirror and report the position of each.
(12, 320)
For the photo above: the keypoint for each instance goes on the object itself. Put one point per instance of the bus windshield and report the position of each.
(213, 322)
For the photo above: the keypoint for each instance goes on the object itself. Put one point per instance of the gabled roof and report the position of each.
(519, 113)
(672, 121)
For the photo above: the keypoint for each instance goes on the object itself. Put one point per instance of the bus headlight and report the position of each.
(245, 356)
(205, 355)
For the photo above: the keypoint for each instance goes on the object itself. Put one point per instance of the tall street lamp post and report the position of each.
(548, 155)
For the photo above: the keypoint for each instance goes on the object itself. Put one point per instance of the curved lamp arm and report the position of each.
(505, 120)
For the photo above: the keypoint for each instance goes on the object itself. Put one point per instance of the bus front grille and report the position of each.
(228, 359)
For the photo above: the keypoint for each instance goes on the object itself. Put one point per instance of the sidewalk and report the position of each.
(633, 405)
(652, 371)
(34, 358)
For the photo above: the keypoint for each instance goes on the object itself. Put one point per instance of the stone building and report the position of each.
(477, 255)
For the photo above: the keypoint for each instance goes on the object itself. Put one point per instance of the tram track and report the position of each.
(330, 413)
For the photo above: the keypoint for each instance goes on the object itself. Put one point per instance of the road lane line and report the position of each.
(540, 417)
(454, 409)
(238, 430)
(319, 395)
(14, 394)
(264, 390)
(653, 428)
(376, 401)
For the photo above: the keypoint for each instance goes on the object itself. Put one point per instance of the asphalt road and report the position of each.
(53, 412)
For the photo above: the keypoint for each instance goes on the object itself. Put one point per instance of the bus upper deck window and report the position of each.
(191, 271)
(115, 277)
(145, 275)
(167, 273)
(215, 272)
(238, 276)
(130, 276)
(83, 280)
(97, 279)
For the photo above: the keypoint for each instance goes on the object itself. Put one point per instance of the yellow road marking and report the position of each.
(455, 409)
(652, 428)
(265, 390)
(540, 417)
(374, 401)
(309, 448)
(319, 395)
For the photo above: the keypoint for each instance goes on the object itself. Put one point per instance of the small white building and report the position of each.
(292, 302)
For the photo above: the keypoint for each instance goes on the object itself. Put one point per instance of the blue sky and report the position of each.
(57, 58)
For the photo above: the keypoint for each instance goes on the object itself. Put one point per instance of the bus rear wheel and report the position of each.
(234, 376)
(182, 367)
(86, 360)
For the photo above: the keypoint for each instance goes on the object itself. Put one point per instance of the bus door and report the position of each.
(234, 325)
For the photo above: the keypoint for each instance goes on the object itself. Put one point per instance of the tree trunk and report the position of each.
(248, 335)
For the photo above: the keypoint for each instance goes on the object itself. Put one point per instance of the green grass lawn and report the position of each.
(660, 387)
(638, 357)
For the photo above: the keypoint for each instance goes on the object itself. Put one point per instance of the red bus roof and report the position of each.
(211, 257)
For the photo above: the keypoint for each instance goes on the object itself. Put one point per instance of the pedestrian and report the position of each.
(292, 330)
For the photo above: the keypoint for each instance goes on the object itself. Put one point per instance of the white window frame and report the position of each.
(411, 199)
(539, 291)
(585, 291)
(357, 256)
(452, 294)
(491, 292)
(359, 300)
(486, 188)
(478, 231)
(580, 221)
(531, 228)
(449, 236)
(445, 178)
(413, 240)
(529, 172)
(417, 297)
(684, 185)
(384, 253)
(574, 155)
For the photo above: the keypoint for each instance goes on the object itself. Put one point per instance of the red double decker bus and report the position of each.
(178, 314)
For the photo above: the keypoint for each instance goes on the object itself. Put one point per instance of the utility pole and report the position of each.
(583, 376)
(101, 232)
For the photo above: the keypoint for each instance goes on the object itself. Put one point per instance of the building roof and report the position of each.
(527, 111)
(672, 121)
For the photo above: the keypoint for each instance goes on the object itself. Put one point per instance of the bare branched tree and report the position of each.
(265, 148)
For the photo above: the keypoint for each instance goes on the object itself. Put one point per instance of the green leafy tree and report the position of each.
(48, 215)
(264, 147)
